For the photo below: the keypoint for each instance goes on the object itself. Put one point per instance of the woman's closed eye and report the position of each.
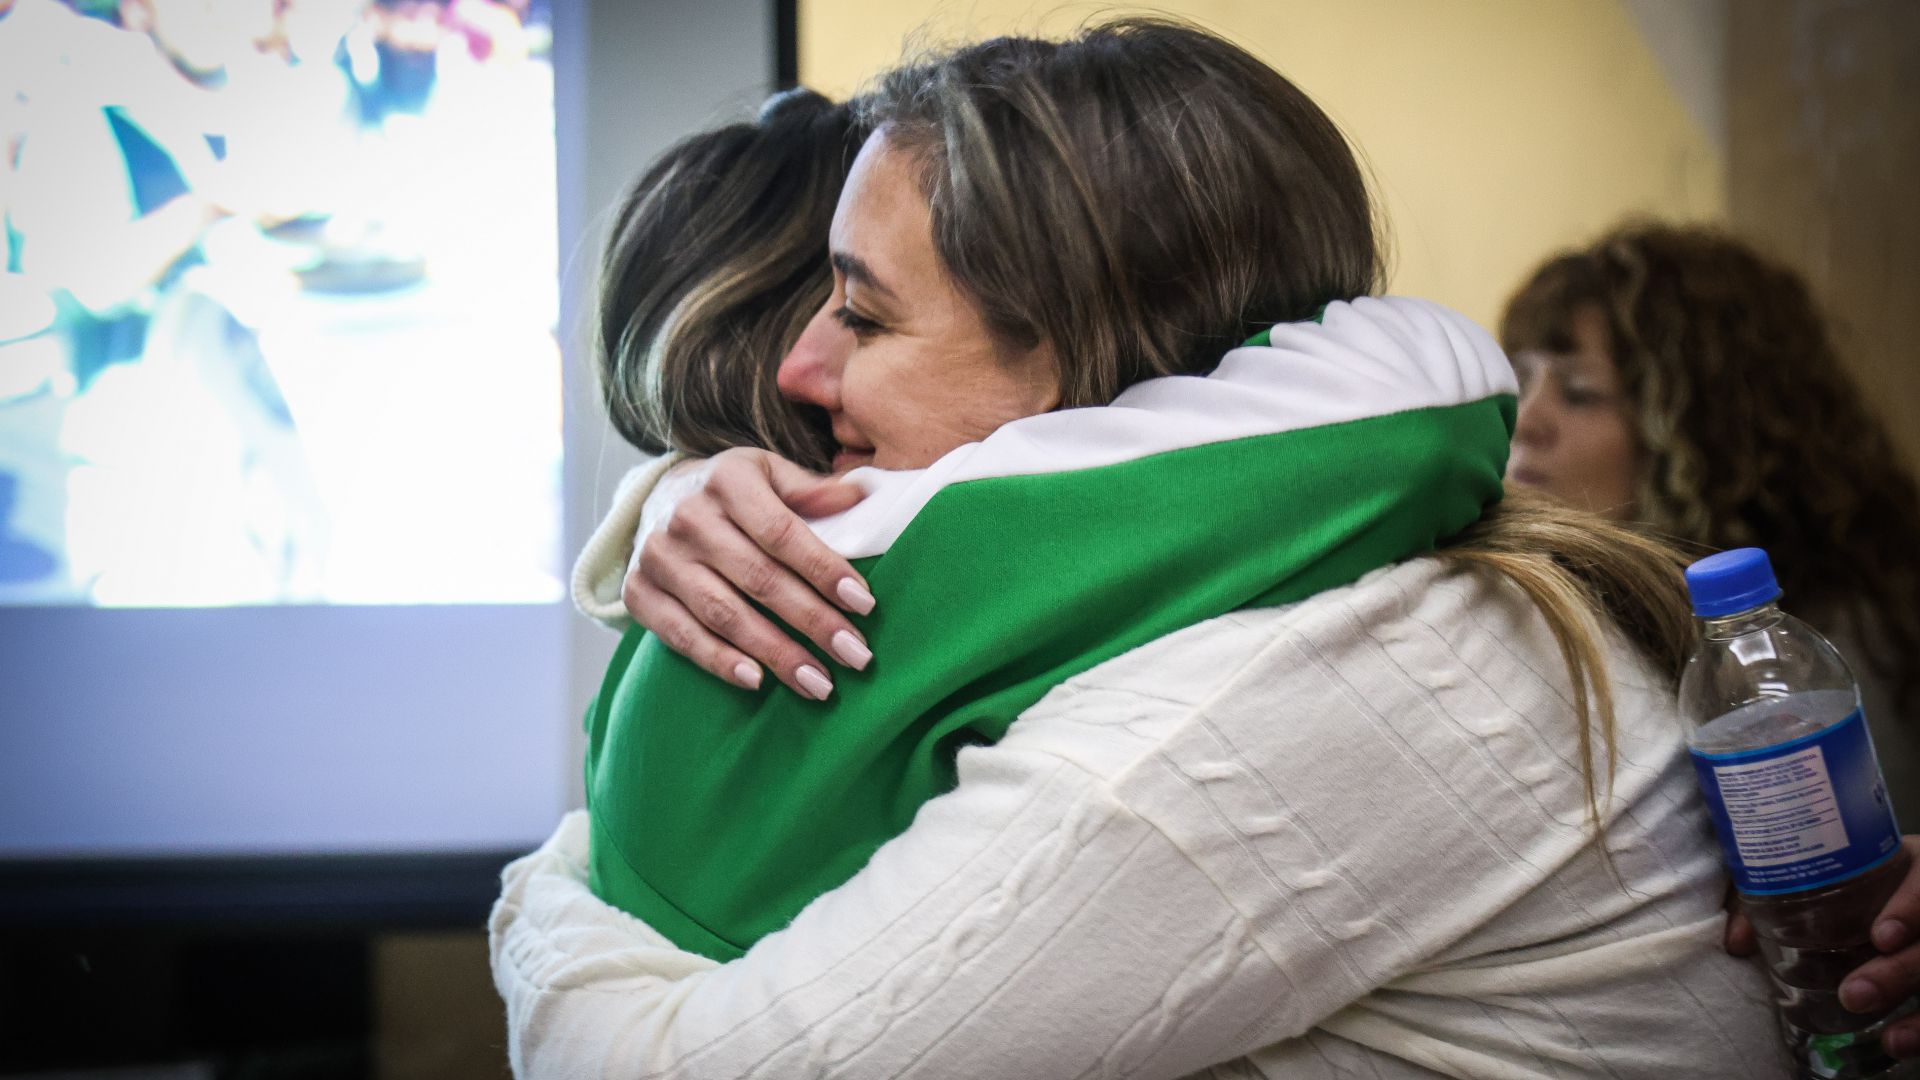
(1582, 395)
(861, 326)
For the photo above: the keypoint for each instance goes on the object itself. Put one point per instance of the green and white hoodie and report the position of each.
(1316, 453)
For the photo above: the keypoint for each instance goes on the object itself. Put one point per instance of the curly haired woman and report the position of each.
(1672, 376)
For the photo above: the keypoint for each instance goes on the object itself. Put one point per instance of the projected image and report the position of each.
(278, 303)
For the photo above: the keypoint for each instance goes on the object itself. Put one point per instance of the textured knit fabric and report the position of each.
(1342, 838)
(1343, 446)
(600, 571)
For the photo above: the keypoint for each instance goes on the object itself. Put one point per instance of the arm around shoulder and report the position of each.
(601, 569)
(1027, 924)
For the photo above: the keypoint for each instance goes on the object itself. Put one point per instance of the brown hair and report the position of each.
(716, 260)
(1144, 196)
(1754, 433)
(1141, 197)
(1574, 566)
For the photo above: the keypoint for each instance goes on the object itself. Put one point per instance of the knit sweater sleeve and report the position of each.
(1346, 828)
(601, 570)
(1027, 925)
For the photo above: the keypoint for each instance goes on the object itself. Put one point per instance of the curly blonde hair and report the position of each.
(1754, 433)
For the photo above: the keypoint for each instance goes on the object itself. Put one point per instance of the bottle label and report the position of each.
(1802, 814)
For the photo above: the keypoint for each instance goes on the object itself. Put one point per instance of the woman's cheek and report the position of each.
(881, 412)
(860, 402)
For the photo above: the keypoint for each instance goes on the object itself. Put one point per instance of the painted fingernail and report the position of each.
(1902, 1043)
(851, 650)
(747, 674)
(1890, 934)
(813, 682)
(855, 596)
(1859, 995)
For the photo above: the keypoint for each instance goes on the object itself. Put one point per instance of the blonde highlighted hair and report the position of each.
(1577, 568)
(717, 259)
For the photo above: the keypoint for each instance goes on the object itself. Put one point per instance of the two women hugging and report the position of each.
(1215, 712)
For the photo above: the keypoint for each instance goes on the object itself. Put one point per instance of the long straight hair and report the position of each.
(1142, 196)
(1578, 569)
(717, 259)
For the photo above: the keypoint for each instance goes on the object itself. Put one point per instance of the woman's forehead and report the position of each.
(1581, 331)
(882, 233)
(1580, 363)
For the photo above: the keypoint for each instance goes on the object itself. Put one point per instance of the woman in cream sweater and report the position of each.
(1433, 818)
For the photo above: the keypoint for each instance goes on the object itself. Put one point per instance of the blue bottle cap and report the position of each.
(1730, 582)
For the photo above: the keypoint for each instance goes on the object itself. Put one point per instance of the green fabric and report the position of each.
(719, 813)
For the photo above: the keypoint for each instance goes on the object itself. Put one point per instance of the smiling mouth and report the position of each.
(851, 450)
(851, 457)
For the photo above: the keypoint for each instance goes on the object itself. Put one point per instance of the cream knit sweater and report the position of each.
(600, 572)
(1343, 838)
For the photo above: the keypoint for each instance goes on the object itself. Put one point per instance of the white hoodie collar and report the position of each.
(1374, 356)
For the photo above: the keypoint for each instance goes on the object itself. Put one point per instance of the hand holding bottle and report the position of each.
(1788, 769)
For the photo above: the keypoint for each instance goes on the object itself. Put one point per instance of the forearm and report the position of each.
(1027, 926)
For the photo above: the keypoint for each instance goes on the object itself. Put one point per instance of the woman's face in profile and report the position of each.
(899, 358)
(1573, 439)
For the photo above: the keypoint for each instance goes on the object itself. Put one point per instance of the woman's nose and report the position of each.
(1535, 423)
(810, 372)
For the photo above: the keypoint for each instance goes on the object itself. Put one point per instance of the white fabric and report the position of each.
(1372, 357)
(599, 574)
(1343, 838)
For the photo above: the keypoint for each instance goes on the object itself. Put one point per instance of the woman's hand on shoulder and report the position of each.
(738, 533)
(1888, 979)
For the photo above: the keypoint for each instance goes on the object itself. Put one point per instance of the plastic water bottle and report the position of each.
(1782, 752)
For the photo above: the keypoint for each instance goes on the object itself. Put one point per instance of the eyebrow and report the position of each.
(856, 269)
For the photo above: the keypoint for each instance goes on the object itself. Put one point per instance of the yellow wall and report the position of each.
(1496, 130)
